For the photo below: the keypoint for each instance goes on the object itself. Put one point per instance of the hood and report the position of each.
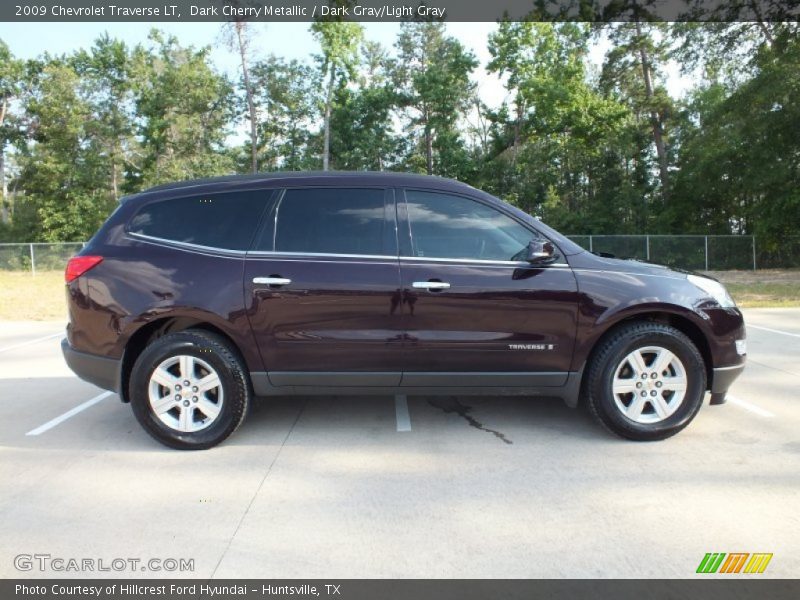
(589, 260)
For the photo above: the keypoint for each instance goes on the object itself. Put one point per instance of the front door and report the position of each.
(475, 313)
(322, 288)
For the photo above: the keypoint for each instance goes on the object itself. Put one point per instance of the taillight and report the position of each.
(78, 265)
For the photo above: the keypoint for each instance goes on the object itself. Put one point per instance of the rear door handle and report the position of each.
(271, 280)
(430, 285)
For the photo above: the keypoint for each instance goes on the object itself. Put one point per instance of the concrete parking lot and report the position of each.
(350, 487)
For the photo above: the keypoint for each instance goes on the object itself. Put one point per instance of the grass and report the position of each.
(26, 297)
(766, 295)
(769, 288)
(40, 297)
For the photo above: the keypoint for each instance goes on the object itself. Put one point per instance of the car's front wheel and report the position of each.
(646, 381)
(189, 390)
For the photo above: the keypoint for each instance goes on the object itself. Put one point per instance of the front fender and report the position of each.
(606, 298)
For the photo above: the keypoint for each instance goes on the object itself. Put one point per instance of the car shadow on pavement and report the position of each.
(109, 425)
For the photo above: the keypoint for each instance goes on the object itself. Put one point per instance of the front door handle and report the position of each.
(271, 280)
(430, 285)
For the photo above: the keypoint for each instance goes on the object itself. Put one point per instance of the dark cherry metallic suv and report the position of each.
(195, 297)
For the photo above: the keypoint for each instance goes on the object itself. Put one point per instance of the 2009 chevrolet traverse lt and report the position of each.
(195, 297)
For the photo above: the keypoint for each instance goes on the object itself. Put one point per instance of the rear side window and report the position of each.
(447, 226)
(330, 221)
(227, 221)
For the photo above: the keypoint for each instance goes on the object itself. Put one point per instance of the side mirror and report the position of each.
(540, 252)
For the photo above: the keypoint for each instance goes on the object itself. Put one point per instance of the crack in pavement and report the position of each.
(258, 489)
(452, 405)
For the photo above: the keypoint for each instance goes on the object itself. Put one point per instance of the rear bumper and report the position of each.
(99, 370)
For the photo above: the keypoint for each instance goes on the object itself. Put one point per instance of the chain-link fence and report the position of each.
(697, 252)
(784, 254)
(37, 257)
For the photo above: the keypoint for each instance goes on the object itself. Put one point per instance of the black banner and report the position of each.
(399, 10)
(733, 588)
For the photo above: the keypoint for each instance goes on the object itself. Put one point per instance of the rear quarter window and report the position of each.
(227, 221)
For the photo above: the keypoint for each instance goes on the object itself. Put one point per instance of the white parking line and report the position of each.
(751, 407)
(29, 342)
(797, 335)
(401, 413)
(69, 414)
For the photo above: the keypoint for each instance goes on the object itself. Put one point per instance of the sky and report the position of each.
(291, 40)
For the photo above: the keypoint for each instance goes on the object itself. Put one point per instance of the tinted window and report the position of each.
(216, 220)
(330, 221)
(445, 226)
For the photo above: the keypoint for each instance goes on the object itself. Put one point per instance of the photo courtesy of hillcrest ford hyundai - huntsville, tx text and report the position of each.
(195, 297)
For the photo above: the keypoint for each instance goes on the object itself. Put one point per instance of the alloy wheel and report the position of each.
(185, 393)
(649, 384)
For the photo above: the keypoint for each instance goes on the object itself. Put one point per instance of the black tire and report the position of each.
(608, 357)
(234, 390)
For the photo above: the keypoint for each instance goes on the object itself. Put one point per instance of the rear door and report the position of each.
(477, 314)
(322, 288)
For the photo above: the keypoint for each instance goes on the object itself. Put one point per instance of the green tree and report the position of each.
(362, 121)
(559, 150)
(62, 167)
(238, 37)
(339, 43)
(284, 98)
(105, 84)
(185, 110)
(740, 156)
(11, 75)
(433, 80)
(631, 71)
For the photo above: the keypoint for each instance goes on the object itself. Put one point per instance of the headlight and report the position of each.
(714, 289)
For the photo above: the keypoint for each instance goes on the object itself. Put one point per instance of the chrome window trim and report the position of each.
(187, 245)
(275, 219)
(479, 262)
(292, 255)
(264, 254)
(504, 263)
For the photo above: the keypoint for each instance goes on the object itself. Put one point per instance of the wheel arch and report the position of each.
(666, 316)
(152, 330)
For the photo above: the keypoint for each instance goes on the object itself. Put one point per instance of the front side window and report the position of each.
(227, 221)
(330, 221)
(447, 226)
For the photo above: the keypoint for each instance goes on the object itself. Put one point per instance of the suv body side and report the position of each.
(147, 286)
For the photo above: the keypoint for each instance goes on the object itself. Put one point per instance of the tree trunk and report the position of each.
(655, 117)
(762, 25)
(428, 143)
(248, 92)
(4, 217)
(517, 130)
(767, 33)
(326, 151)
(114, 177)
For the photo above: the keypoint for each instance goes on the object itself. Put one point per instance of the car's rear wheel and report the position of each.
(646, 381)
(189, 390)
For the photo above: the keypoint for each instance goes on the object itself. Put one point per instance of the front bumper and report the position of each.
(722, 379)
(99, 370)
